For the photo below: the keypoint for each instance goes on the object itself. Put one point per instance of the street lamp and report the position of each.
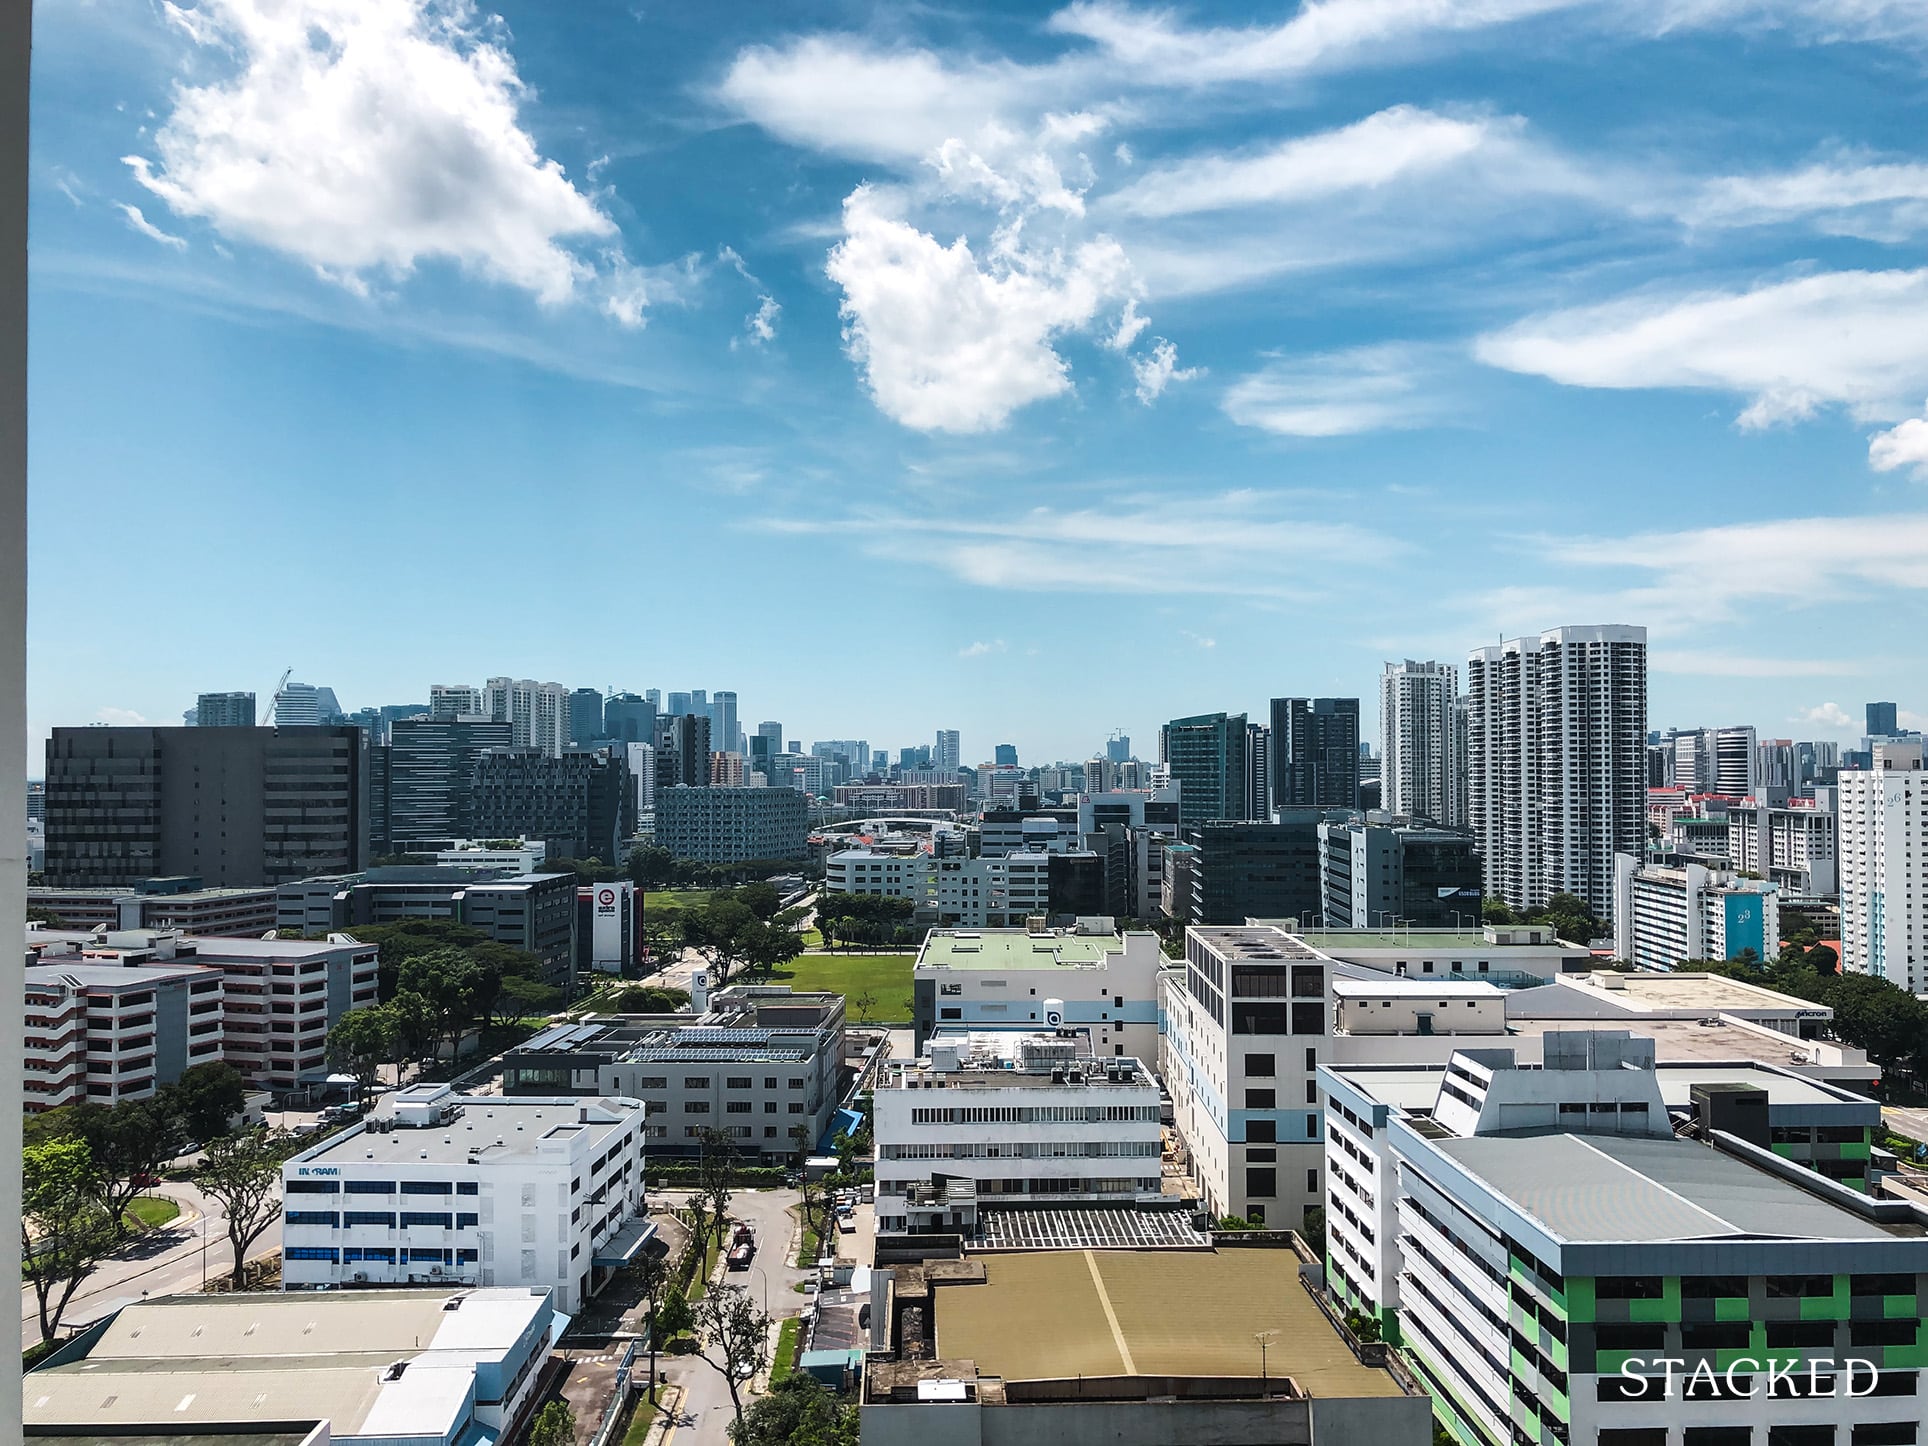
(1264, 1338)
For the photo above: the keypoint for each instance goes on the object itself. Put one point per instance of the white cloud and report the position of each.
(947, 344)
(1197, 640)
(365, 139)
(1159, 370)
(1905, 445)
(122, 718)
(1854, 338)
(1336, 394)
(979, 649)
(1323, 33)
(1236, 543)
(1881, 200)
(140, 223)
(1828, 715)
(1015, 170)
(1382, 148)
(761, 325)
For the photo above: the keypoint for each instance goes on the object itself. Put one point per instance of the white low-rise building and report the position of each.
(440, 1188)
(953, 891)
(105, 1031)
(1002, 1120)
(983, 980)
(1664, 915)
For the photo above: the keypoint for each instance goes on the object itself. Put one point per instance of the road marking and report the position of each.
(1111, 1316)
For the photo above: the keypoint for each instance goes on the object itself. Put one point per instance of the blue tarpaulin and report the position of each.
(844, 1122)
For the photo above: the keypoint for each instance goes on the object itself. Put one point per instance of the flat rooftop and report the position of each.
(502, 1127)
(1053, 1315)
(1639, 993)
(1443, 942)
(1351, 986)
(270, 1359)
(95, 975)
(1086, 1228)
(1416, 1087)
(1605, 1188)
(1002, 949)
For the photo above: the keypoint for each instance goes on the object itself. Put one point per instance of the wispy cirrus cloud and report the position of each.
(1856, 339)
(138, 222)
(1333, 394)
(1235, 544)
(981, 649)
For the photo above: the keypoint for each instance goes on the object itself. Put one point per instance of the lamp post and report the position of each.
(1264, 1338)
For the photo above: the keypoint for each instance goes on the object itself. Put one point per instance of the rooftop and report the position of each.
(1614, 1188)
(1354, 987)
(274, 1358)
(69, 968)
(1642, 992)
(1416, 941)
(1052, 1315)
(1016, 949)
(498, 1127)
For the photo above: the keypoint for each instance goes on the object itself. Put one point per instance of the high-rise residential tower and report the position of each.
(537, 713)
(456, 700)
(1556, 761)
(1882, 821)
(1206, 757)
(1258, 771)
(1315, 753)
(224, 710)
(1418, 757)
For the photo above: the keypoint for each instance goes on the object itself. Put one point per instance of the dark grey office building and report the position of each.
(235, 807)
(1245, 870)
(1374, 875)
(682, 751)
(226, 710)
(580, 804)
(1883, 720)
(629, 719)
(1207, 757)
(431, 776)
(1315, 753)
(586, 716)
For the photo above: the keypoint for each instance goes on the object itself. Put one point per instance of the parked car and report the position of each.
(846, 1225)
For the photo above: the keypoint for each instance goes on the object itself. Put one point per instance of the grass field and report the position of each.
(148, 1211)
(786, 1356)
(887, 976)
(671, 901)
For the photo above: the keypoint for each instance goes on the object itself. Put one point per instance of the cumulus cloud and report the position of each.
(138, 222)
(366, 139)
(1903, 446)
(1158, 370)
(1336, 394)
(1392, 144)
(1828, 715)
(1858, 339)
(979, 649)
(949, 343)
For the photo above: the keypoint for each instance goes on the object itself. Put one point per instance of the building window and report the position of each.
(1261, 1066)
(312, 1252)
(1262, 1184)
(1261, 1099)
(384, 1218)
(1261, 1132)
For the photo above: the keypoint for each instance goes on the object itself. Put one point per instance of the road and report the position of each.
(1910, 1122)
(706, 1413)
(176, 1258)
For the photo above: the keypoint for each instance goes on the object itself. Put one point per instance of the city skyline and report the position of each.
(1239, 359)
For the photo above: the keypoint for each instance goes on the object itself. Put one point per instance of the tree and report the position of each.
(797, 1411)
(1571, 917)
(736, 1340)
(718, 931)
(554, 1425)
(648, 999)
(715, 1179)
(650, 1274)
(362, 1041)
(455, 987)
(866, 1005)
(761, 899)
(519, 998)
(765, 946)
(410, 938)
(210, 1096)
(1496, 911)
(415, 1020)
(1822, 960)
(125, 1142)
(675, 1315)
(243, 1176)
(63, 1229)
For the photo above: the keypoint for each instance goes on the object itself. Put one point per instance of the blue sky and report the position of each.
(1033, 371)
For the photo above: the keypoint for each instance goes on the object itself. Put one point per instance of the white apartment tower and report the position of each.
(1556, 761)
(1882, 827)
(455, 700)
(1419, 774)
(537, 713)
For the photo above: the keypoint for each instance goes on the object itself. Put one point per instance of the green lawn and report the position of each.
(887, 976)
(786, 1356)
(148, 1211)
(671, 901)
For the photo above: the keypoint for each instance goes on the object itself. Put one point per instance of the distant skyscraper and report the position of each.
(679, 705)
(654, 697)
(1005, 755)
(585, 715)
(1118, 748)
(456, 700)
(630, 719)
(1556, 761)
(537, 713)
(431, 775)
(1736, 759)
(1418, 712)
(298, 705)
(1206, 758)
(224, 710)
(682, 752)
(1882, 720)
(1315, 753)
(1258, 762)
(723, 730)
(949, 750)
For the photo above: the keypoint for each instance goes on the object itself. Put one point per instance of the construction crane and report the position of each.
(275, 696)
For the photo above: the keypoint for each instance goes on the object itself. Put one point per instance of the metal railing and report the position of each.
(617, 1412)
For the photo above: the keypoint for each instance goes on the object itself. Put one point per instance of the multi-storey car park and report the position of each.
(440, 1188)
(1557, 1265)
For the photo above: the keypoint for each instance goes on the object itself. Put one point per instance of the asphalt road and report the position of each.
(176, 1258)
(1910, 1122)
